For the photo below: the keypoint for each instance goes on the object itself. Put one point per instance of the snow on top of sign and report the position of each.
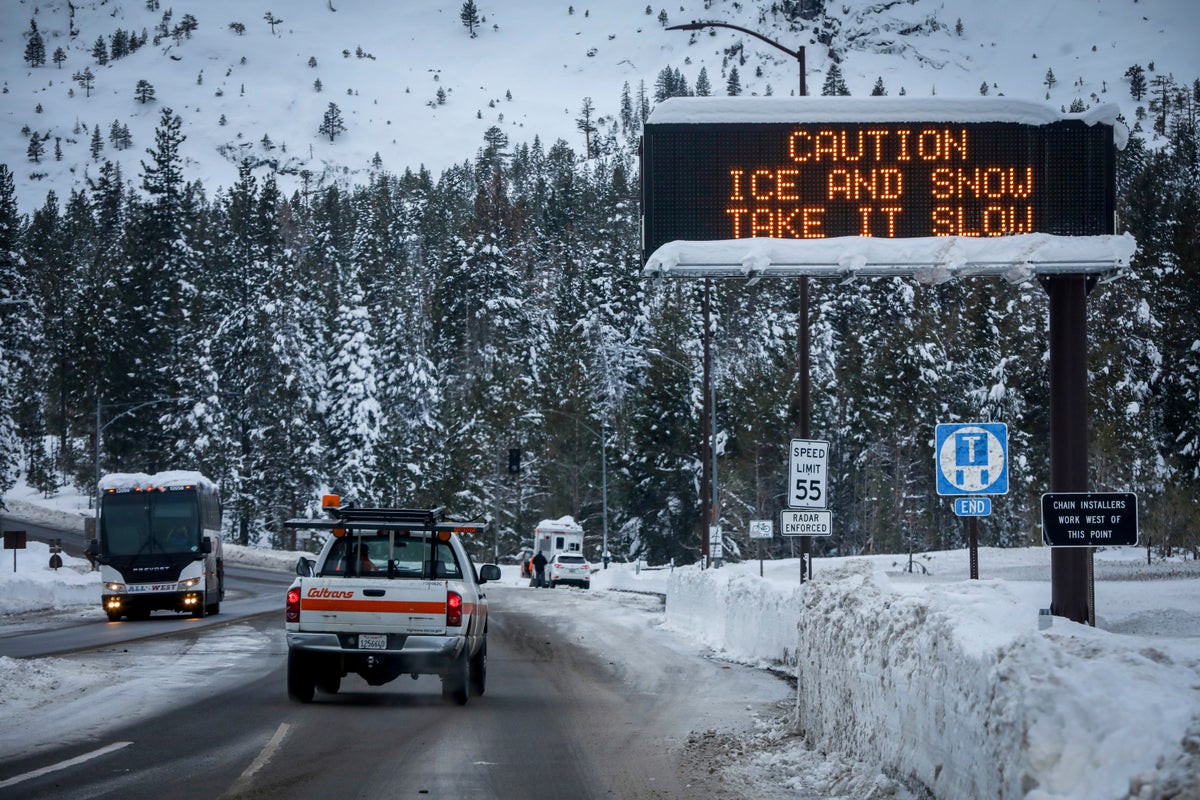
(765, 110)
(931, 259)
(175, 477)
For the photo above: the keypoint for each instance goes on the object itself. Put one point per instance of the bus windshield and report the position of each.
(135, 523)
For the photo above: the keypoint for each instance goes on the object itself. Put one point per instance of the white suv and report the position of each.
(570, 568)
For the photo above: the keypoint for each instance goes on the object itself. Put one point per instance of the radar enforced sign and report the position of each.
(806, 523)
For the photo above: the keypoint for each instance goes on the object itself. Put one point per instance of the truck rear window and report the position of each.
(378, 557)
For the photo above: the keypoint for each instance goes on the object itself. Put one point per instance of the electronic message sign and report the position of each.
(707, 181)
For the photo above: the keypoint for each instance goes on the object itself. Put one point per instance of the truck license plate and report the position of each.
(372, 641)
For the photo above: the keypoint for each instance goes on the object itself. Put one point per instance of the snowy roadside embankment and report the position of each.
(736, 613)
(951, 686)
(34, 586)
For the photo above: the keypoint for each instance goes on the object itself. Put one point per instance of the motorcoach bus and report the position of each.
(159, 544)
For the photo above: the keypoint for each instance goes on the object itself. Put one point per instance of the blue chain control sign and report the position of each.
(971, 458)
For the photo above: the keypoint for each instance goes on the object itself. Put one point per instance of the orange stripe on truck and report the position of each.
(373, 606)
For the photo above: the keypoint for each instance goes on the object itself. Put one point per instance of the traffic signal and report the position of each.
(514, 460)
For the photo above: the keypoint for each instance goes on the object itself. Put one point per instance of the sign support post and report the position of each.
(1069, 585)
(972, 459)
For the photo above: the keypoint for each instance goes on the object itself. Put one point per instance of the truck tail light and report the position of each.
(292, 612)
(454, 610)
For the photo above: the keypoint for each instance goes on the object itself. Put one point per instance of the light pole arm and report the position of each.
(796, 54)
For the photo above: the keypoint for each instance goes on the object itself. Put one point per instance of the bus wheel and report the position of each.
(114, 615)
(212, 608)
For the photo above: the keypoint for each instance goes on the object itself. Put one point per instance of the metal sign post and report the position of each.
(14, 540)
(761, 529)
(808, 488)
(972, 459)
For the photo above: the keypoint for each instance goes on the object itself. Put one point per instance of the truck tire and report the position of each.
(300, 680)
(479, 669)
(329, 678)
(455, 682)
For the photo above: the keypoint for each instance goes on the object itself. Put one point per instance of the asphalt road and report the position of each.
(557, 720)
(249, 592)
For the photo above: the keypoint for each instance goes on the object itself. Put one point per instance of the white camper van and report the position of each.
(562, 535)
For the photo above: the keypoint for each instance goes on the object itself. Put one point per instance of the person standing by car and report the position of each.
(539, 569)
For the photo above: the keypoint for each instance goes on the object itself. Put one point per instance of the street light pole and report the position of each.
(604, 488)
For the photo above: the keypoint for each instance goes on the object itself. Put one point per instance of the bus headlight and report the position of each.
(116, 588)
(188, 583)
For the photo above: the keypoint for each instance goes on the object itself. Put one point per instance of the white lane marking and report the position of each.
(265, 755)
(71, 762)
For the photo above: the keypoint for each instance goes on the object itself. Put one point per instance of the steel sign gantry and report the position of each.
(729, 191)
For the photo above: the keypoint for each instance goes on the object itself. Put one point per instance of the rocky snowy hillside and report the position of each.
(412, 85)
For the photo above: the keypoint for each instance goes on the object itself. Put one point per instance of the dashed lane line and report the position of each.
(71, 762)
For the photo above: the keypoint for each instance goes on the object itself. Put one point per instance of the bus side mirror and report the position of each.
(304, 567)
(206, 545)
(489, 572)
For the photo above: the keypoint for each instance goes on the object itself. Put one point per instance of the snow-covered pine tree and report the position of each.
(100, 51)
(835, 83)
(733, 86)
(16, 335)
(144, 91)
(35, 46)
(157, 293)
(469, 15)
(331, 123)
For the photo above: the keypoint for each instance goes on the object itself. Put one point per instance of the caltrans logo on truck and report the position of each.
(331, 594)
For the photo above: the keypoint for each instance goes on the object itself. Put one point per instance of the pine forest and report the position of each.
(392, 342)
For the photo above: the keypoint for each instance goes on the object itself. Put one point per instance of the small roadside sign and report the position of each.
(971, 458)
(972, 506)
(806, 523)
(1089, 519)
(761, 529)
(14, 540)
(808, 474)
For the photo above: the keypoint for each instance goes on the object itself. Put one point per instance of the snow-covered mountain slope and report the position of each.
(413, 86)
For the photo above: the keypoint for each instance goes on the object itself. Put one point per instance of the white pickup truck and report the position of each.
(392, 593)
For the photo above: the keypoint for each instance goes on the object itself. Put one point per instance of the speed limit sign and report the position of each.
(808, 474)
